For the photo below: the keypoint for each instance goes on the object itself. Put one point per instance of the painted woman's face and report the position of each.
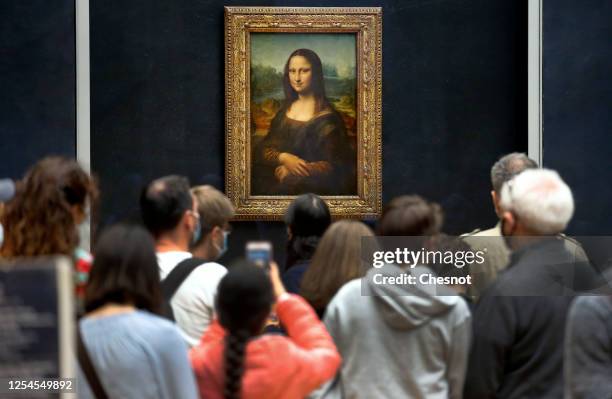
(300, 74)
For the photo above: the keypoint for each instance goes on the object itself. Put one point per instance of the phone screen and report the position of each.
(259, 253)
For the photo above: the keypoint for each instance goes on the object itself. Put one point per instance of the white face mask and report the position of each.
(1, 234)
(84, 230)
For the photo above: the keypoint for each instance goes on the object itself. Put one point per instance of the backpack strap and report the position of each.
(174, 280)
(88, 368)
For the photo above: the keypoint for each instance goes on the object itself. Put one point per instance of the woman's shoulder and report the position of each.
(156, 329)
(328, 113)
(138, 324)
(153, 320)
(327, 117)
(266, 344)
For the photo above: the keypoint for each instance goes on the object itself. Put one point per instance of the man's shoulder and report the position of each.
(592, 307)
(206, 275)
(492, 242)
(167, 261)
(573, 246)
(210, 269)
(471, 233)
(492, 232)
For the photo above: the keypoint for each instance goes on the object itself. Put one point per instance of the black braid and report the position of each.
(235, 345)
(241, 319)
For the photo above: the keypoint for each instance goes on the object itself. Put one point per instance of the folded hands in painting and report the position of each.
(294, 164)
(294, 168)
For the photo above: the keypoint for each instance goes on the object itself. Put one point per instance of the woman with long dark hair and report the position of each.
(234, 361)
(134, 352)
(306, 218)
(307, 148)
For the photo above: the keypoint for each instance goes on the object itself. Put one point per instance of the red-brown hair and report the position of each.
(39, 220)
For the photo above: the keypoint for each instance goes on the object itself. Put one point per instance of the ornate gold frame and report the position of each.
(367, 24)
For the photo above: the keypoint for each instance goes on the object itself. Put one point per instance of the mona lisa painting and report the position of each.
(303, 109)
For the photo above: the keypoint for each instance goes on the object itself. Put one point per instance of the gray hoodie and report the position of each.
(398, 341)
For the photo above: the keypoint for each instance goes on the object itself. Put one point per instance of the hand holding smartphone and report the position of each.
(260, 253)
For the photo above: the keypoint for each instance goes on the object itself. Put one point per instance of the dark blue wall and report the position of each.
(577, 104)
(454, 99)
(37, 82)
(454, 90)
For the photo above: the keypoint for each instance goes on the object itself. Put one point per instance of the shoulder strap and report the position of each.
(173, 281)
(88, 368)
(176, 277)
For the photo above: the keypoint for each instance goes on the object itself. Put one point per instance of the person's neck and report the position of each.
(111, 309)
(306, 98)
(205, 250)
(172, 242)
(519, 242)
(524, 237)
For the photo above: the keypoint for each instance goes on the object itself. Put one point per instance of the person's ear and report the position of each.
(289, 233)
(495, 198)
(508, 223)
(188, 221)
(217, 232)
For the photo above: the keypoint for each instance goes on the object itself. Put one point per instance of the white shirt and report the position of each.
(194, 301)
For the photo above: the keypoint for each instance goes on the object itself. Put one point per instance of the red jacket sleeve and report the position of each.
(312, 346)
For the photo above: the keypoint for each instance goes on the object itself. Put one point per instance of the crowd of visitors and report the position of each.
(160, 317)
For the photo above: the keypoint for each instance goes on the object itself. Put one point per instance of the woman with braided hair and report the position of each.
(234, 361)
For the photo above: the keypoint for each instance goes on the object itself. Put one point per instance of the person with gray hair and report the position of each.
(519, 322)
(505, 169)
(536, 202)
(498, 254)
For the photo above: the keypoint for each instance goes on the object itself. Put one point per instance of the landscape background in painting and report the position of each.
(269, 53)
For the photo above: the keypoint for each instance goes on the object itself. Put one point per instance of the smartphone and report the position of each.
(260, 253)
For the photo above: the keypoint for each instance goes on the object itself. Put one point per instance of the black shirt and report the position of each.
(519, 324)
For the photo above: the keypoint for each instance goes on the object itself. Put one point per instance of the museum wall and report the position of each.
(454, 99)
(37, 82)
(577, 104)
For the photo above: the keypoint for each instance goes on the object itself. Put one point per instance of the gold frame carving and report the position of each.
(366, 23)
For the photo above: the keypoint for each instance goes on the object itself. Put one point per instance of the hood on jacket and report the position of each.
(408, 306)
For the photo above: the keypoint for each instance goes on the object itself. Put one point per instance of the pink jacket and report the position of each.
(275, 366)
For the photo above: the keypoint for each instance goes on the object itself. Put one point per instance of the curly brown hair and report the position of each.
(40, 219)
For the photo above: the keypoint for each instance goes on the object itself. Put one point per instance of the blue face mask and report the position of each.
(197, 233)
(225, 246)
